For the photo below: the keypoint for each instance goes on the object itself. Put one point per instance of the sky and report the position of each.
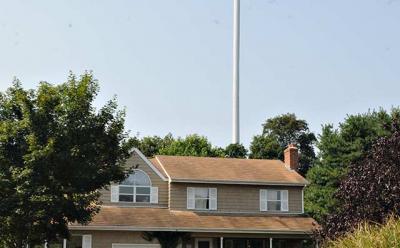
(169, 62)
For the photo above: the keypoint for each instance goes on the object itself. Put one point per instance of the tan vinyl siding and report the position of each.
(235, 198)
(156, 181)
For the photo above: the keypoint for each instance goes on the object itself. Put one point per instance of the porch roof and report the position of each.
(162, 219)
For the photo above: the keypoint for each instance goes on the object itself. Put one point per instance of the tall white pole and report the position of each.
(235, 93)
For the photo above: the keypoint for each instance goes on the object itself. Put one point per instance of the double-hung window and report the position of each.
(274, 200)
(202, 198)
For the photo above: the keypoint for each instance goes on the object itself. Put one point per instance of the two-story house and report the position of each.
(221, 202)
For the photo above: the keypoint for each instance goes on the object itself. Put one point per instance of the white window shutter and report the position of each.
(284, 200)
(263, 199)
(114, 193)
(190, 198)
(87, 241)
(213, 198)
(154, 195)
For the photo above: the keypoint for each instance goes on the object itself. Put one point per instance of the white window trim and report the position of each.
(134, 194)
(143, 157)
(302, 201)
(281, 200)
(134, 190)
(209, 198)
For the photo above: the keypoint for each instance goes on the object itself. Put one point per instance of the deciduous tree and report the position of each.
(56, 151)
(235, 151)
(278, 133)
(151, 145)
(191, 145)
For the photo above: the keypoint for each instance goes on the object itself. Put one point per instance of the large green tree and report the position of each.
(56, 151)
(370, 192)
(191, 145)
(280, 131)
(338, 148)
(235, 151)
(151, 145)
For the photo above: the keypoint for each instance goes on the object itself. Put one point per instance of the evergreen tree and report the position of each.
(338, 148)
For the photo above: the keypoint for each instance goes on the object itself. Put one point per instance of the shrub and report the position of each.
(371, 236)
(371, 190)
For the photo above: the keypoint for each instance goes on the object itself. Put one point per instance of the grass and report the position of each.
(371, 236)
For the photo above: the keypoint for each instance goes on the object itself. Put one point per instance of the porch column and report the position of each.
(270, 242)
(221, 240)
(65, 243)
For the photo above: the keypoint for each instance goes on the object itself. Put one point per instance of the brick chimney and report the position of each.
(291, 158)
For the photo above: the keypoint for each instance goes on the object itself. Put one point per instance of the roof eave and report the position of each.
(185, 229)
(264, 183)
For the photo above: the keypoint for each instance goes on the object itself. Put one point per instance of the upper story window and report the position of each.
(274, 200)
(202, 198)
(136, 188)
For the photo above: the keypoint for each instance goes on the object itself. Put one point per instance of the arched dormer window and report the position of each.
(136, 188)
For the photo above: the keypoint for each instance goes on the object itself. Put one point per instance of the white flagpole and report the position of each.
(235, 93)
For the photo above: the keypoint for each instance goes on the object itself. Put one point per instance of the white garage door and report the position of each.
(136, 246)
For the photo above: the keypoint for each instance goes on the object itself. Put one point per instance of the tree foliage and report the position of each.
(338, 148)
(235, 151)
(278, 133)
(191, 145)
(166, 239)
(371, 189)
(151, 145)
(56, 151)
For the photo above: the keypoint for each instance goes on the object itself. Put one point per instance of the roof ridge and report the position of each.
(227, 158)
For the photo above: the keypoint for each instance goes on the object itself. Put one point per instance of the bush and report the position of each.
(371, 236)
(371, 190)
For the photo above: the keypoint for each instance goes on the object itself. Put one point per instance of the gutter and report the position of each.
(183, 229)
(184, 180)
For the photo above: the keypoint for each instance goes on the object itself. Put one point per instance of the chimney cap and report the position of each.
(292, 145)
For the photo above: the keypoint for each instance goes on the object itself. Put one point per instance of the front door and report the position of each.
(204, 243)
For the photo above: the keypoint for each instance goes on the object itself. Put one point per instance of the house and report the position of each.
(221, 202)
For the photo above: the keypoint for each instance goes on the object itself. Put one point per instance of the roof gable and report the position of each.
(157, 170)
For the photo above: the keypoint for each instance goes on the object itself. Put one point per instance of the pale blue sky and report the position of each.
(169, 62)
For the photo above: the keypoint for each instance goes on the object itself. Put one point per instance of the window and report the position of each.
(202, 198)
(274, 200)
(136, 188)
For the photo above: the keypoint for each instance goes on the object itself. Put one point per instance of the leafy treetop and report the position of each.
(280, 131)
(56, 151)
